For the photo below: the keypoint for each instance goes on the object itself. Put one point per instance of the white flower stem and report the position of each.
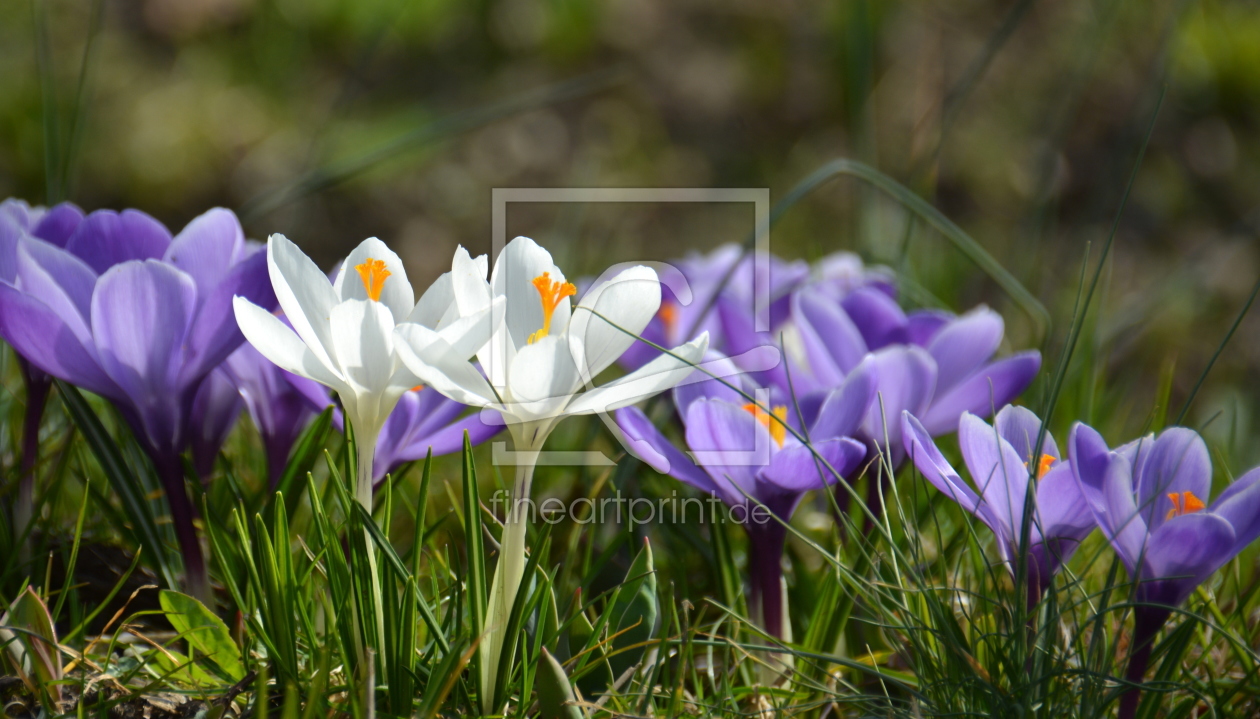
(365, 451)
(507, 577)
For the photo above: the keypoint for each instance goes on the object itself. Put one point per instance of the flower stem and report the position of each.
(765, 569)
(196, 576)
(37, 388)
(507, 579)
(1147, 621)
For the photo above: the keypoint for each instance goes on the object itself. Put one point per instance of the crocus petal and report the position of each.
(436, 304)
(140, 315)
(648, 444)
(60, 280)
(997, 471)
(725, 440)
(1177, 462)
(215, 333)
(276, 341)
(922, 325)
(877, 317)
(215, 409)
(364, 334)
(208, 247)
(41, 335)
(933, 465)
(833, 344)
(1239, 505)
(544, 370)
(305, 295)
(625, 304)
(687, 392)
(432, 360)
(106, 238)
(796, 469)
(518, 264)
(906, 377)
(1020, 427)
(467, 334)
(843, 410)
(656, 376)
(58, 224)
(1061, 509)
(1185, 551)
(965, 345)
(988, 389)
(396, 292)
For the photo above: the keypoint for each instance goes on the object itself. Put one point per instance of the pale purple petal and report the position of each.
(1176, 462)
(208, 247)
(728, 439)
(996, 470)
(649, 445)
(906, 377)
(58, 224)
(833, 344)
(215, 331)
(842, 412)
(724, 367)
(1019, 426)
(1182, 553)
(983, 392)
(40, 335)
(106, 238)
(59, 280)
(1239, 505)
(1061, 509)
(963, 346)
(922, 325)
(795, 468)
(877, 317)
(215, 409)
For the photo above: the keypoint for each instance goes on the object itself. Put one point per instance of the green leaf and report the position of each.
(555, 693)
(36, 640)
(204, 631)
(634, 611)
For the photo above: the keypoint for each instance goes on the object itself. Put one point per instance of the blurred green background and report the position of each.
(332, 120)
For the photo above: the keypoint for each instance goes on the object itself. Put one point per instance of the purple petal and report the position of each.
(1019, 426)
(215, 332)
(986, 390)
(963, 346)
(208, 247)
(724, 367)
(59, 280)
(215, 409)
(106, 238)
(445, 440)
(922, 325)
(1177, 462)
(649, 445)
(727, 441)
(40, 335)
(877, 317)
(58, 224)
(933, 465)
(1184, 552)
(905, 379)
(1062, 511)
(842, 412)
(140, 315)
(833, 344)
(996, 470)
(795, 469)
(1239, 505)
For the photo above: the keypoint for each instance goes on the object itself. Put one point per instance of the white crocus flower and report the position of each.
(537, 364)
(343, 332)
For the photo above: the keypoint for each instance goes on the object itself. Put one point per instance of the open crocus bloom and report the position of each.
(127, 312)
(546, 352)
(930, 363)
(747, 458)
(342, 332)
(1000, 460)
(1150, 498)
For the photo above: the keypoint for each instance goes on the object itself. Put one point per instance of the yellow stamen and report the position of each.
(1044, 464)
(551, 293)
(1185, 503)
(669, 316)
(778, 429)
(373, 273)
(417, 388)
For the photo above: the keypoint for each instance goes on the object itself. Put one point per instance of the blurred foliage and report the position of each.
(1019, 119)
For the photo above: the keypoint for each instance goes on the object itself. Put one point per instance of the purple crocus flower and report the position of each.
(130, 313)
(54, 225)
(743, 452)
(217, 405)
(1149, 497)
(1001, 461)
(930, 363)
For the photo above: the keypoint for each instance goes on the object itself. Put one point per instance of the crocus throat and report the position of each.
(778, 428)
(551, 293)
(373, 273)
(1184, 503)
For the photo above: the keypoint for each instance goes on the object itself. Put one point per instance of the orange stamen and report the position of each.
(778, 430)
(551, 293)
(1043, 466)
(417, 388)
(1185, 503)
(669, 316)
(373, 273)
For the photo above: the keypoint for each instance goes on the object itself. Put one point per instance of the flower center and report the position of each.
(551, 293)
(373, 273)
(1044, 464)
(778, 430)
(1184, 503)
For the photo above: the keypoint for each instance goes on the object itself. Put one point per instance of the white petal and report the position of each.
(472, 295)
(543, 370)
(514, 272)
(396, 293)
(435, 364)
(435, 303)
(466, 335)
(274, 340)
(304, 293)
(629, 301)
(656, 376)
(363, 333)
